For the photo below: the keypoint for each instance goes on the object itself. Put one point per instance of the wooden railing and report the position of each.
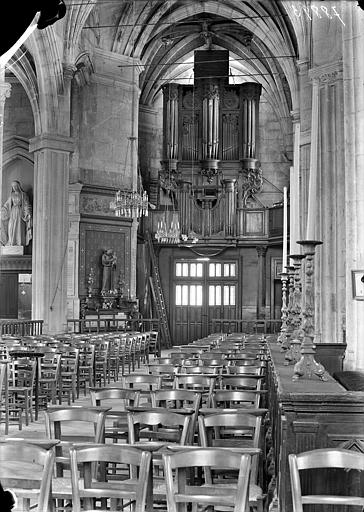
(100, 324)
(21, 327)
(229, 325)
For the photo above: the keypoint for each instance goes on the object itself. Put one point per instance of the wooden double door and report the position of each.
(202, 289)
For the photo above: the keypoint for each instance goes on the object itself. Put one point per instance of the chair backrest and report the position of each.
(35, 466)
(183, 461)
(124, 397)
(163, 426)
(142, 381)
(241, 382)
(320, 459)
(177, 399)
(136, 462)
(22, 372)
(245, 370)
(195, 382)
(232, 399)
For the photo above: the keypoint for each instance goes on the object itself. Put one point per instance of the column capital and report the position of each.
(295, 116)
(53, 142)
(303, 66)
(261, 250)
(5, 90)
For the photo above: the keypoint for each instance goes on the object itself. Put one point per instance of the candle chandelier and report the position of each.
(130, 203)
(168, 235)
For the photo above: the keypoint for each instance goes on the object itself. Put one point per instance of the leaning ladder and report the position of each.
(157, 293)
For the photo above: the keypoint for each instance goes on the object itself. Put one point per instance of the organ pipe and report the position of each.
(250, 93)
(170, 128)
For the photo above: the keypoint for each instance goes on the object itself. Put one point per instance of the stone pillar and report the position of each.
(5, 89)
(51, 176)
(330, 204)
(262, 251)
(352, 179)
(73, 249)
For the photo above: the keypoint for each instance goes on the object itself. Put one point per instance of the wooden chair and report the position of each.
(151, 430)
(59, 419)
(240, 432)
(142, 382)
(166, 371)
(4, 396)
(203, 384)
(102, 350)
(154, 343)
(86, 367)
(49, 368)
(133, 488)
(164, 426)
(182, 489)
(69, 370)
(321, 459)
(177, 399)
(27, 469)
(21, 388)
(121, 398)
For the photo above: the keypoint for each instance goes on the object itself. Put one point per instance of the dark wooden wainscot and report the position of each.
(310, 414)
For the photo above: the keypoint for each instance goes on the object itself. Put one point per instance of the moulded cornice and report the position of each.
(327, 73)
(111, 81)
(53, 142)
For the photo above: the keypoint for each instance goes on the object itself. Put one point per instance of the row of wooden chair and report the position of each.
(68, 364)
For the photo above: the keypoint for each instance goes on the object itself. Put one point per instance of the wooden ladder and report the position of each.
(157, 293)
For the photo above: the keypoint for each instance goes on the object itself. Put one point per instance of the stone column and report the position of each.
(352, 179)
(5, 89)
(51, 176)
(330, 204)
(262, 251)
(73, 249)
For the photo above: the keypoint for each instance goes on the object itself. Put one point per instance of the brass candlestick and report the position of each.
(307, 365)
(293, 353)
(290, 282)
(284, 309)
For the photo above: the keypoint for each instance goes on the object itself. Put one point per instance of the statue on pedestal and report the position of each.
(16, 218)
(108, 261)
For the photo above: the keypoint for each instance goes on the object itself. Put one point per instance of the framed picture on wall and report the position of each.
(277, 267)
(357, 277)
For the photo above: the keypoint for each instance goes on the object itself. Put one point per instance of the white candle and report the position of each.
(284, 257)
(312, 209)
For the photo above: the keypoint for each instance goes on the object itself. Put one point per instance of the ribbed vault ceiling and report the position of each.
(162, 36)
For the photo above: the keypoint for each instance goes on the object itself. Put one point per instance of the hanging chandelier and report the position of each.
(130, 203)
(168, 235)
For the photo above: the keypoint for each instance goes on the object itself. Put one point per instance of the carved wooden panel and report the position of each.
(254, 223)
(94, 238)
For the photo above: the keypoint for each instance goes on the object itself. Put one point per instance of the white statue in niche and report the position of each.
(16, 218)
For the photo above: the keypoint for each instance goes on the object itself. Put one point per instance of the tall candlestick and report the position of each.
(284, 257)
